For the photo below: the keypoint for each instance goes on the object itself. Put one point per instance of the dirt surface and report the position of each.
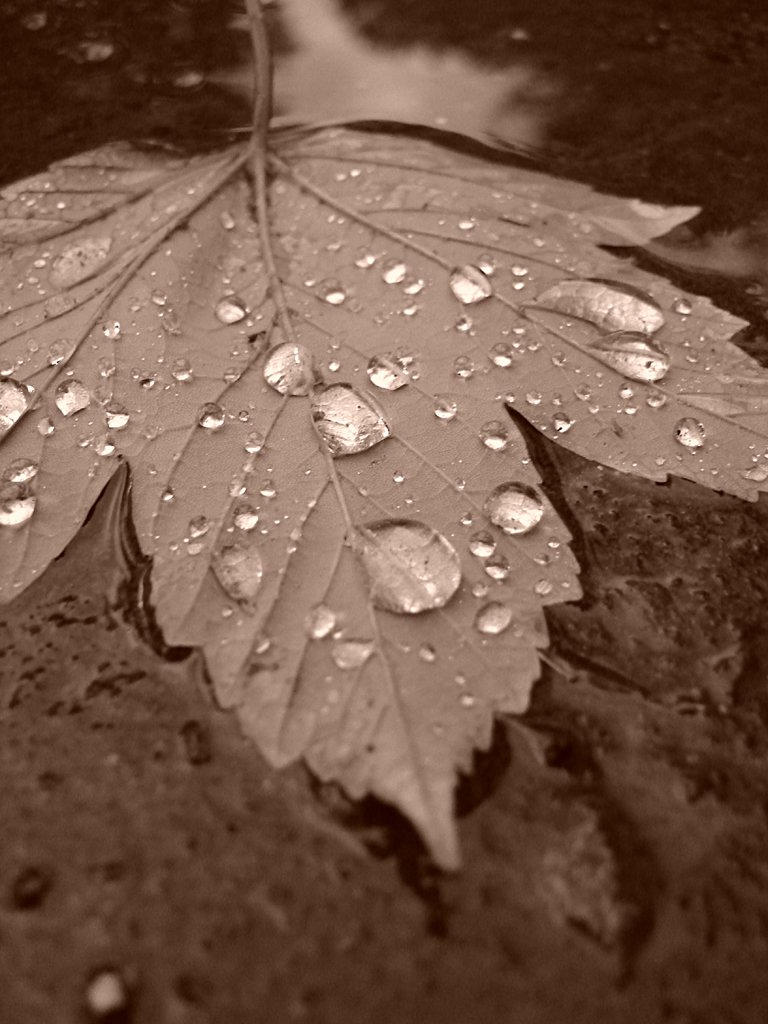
(615, 838)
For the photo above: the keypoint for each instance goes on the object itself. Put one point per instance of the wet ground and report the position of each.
(616, 838)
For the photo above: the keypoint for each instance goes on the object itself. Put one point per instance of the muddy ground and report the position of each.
(615, 838)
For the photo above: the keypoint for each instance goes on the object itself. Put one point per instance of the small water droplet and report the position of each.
(347, 421)
(411, 568)
(111, 329)
(482, 544)
(757, 474)
(656, 399)
(320, 622)
(268, 489)
(158, 297)
(463, 367)
(561, 422)
(230, 310)
(427, 653)
(393, 271)
(254, 442)
(349, 654)
(72, 396)
(59, 350)
(445, 407)
(469, 284)
(107, 997)
(239, 570)
(17, 509)
(198, 526)
(167, 495)
(493, 618)
(497, 567)
(388, 371)
(245, 517)
(464, 324)
(682, 306)
(518, 270)
(413, 285)
(14, 402)
(289, 369)
(227, 221)
(211, 416)
(689, 433)
(533, 398)
(116, 416)
(364, 259)
(79, 260)
(514, 507)
(494, 435)
(332, 292)
(20, 471)
(181, 370)
(543, 587)
(104, 446)
(501, 354)
(45, 426)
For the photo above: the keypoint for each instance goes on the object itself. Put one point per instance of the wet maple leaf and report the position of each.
(309, 386)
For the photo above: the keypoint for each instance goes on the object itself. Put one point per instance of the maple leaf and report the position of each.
(303, 351)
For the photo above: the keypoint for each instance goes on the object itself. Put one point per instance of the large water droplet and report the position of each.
(493, 618)
(320, 621)
(482, 544)
(349, 654)
(514, 507)
(609, 305)
(14, 402)
(79, 261)
(689, 432)
(230, 310)
(632, 354)
(469, 284)
(411, 568)
(332, 292)
(16, 510)
(245, 517)
(347, 421)
(239, 569)
(72, 396)
(289, 369)
(494, 435)
(388, 371)
(20, 471)
(211, 416)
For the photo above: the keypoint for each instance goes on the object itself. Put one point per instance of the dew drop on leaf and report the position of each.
(230, 310)
(393, 272)
(757, 474)
(116, 416)
(609, 305)
(463, 367)
(632, 354)
(493, 618)
(364, 259)
(181, 370)
(689, 432)
(16, 510)
(561, 422)
(72, 396)
(211, 416)
(254, 442)
(45, 426)
(514, 507)
(14, 402)
(656, 399)
(469, 284)
(245, 517)
(349, 654)
(332, 292)
(106, 997)
(104, 446)
(683, 307)
(347, 421)
(289, 369)
(494, 435)
(482, 544)
(20, 471)
(501, 354)
(79, 260)
(111, 329)
(413, 285)
(198, 526)
(427, 653)
(320, 622)
(497, 568)
(239, 569)
(387, 371)
(445, 407)
(411, 568)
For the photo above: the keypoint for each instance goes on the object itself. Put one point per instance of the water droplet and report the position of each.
(72, 396)
(349, 654)
(347, 421)
(20, 471)
(289, 369)
(239, 570)
(320, 622)
(514, 507)
(411, 568)
(167, 495)
(609, 305)
(388, 371)
(445, 407)
(393, 271)
(254, 442)
(656, 399)
(111, 329)
(561, 422)
(757, 474)
(187, 79)
(689, 432)
(482, 544)
(632, 354)
(16, 510)
(106, 368)
(332, 292)
(469, 284)
(45, 426)
(79, 260)
(543, 587)
(463, 367)
(494, 435)
(533, 398)
(464, 324)
(14, 402)
(497, 567)
(157, 297)
(502, 354)
(181, 370)
(493, 618)
(245, 517)
(199, 526)
(268, 489)
(230, 310)
(106, 996)
(211, 416)
(59, 350)
(228, 222)
(683, 307)
(104, 446)
(364, 259)
(413, 285)
(116, 416)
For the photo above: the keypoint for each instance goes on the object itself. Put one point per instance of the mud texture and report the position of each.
(615, 838)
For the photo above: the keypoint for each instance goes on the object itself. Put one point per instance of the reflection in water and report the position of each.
(329, 72)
